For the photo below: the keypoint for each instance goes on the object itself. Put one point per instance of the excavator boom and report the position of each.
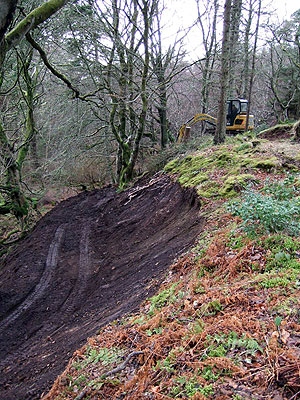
(198, 117)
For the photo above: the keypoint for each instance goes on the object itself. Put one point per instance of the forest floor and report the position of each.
(224, 323)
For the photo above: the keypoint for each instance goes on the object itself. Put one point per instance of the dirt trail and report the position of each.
(93, 258)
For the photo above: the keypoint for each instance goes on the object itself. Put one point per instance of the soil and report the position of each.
(277, 133)
(90, 260)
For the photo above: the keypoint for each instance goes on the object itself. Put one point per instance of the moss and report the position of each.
(189, 169)
(246, 162)
(266, 164)
(5, 208)
(256, 142)
(275, 128)
(224, 158)
(208, 190)
(291, 167)
(172, 165)
(195, 170)
(188, 164)
(233, 184)
(186, 180)
(244, 147)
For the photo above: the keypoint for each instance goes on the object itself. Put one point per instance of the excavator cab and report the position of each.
(237, 115)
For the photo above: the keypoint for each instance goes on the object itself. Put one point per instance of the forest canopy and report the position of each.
(90, 92)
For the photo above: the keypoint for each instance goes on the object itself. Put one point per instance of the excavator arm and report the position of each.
(192, 121)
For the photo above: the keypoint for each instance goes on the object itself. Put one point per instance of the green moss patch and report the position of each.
(220, 173)
(234, 184)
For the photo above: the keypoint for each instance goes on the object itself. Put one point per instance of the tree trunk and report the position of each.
(253, 67)
(209, 40)
(162, 107)
(234, 58)
(31, 21)
(15, 201)
(296, 131)
(221, 118)
(245, 74)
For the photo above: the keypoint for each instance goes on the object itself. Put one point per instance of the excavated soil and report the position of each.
(92, 259)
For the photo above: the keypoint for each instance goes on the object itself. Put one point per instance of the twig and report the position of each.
(113, 371)
(123, 365)
(295, 396)
(81, 394)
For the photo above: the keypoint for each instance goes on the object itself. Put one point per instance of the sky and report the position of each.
(180, 14)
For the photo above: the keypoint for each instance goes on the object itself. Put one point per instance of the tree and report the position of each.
(236, 13)
(219, 136)
(208, 16)
(14, 200)
(253, 66)
(284, 56)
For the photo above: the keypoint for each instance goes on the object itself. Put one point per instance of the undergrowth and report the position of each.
(225, 323)
(275, 208)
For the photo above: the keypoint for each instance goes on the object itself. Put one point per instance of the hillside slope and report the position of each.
(225, 323)
(91, 259)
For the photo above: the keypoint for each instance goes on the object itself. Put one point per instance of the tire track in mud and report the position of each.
(74, 299)
(40, 288)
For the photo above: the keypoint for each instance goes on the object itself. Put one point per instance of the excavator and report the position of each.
(236, 119)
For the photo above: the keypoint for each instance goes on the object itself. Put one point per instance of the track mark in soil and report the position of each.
(74, 299)
(107, 253)
(51, 264)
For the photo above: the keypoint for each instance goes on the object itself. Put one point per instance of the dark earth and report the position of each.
(92, 259)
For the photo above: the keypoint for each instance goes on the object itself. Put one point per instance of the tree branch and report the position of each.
(58, 74)
(32, 20)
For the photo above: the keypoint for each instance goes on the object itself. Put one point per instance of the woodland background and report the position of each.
(94, 95)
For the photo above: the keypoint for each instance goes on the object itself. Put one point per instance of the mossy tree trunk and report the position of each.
(159, 70)
(15, 200)
(30, 132)
(160, 63)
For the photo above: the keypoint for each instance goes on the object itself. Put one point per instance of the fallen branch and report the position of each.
(81, 394)
(112, 372)
(123, 365)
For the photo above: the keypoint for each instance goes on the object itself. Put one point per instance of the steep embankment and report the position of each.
(91, 259)
(225, 323)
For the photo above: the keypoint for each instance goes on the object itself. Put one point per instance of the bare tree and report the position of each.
(207, 20)
(253, 65)
(219, 136)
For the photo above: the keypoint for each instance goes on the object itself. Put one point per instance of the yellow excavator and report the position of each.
(236, 119)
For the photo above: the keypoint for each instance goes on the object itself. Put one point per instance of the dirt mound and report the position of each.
(277, 132)
(93, 258)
